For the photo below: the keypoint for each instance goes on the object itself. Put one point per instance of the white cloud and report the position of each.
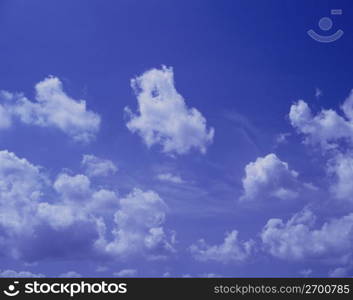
(14, 274)
(139, 226)
(72, 187)
(57, 215)
(70, 274)
(231, 250)
(96, 166)
(77, 191)
(53, 108)
(170, 178)
(297, 239)
(77, 201)
(20, 190)
(137, 219)
(25, 219)
(334, 134)
(163, 117)
(327, 128)
(269, 177)
(90, 219)
(126, 273)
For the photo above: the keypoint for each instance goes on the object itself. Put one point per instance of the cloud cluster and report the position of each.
(327, 128)
(52, 108)
(32, 209)
(163, 117)
(333, 133)
(138, 226)
(96, 221)
(298, 239)
(21, 186)
(28, 217)
(268, 176)
(77, 201)
(231, 250)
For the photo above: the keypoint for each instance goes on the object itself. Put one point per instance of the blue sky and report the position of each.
(166, 138)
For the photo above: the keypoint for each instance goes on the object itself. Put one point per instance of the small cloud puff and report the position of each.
(231, 250)
(21, 274)
(170, 178)
(96, 167)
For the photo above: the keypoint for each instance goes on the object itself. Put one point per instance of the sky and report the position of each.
(169, 138)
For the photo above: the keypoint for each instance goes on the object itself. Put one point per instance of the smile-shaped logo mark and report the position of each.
(12, 290)
(325, 24)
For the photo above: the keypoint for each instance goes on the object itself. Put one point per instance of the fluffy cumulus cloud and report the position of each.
(170, 178)
(333, 133)
(139, 227)
(164, 118)
(72, 187)
(96, 166)
(34, 209)
(66, 214)
(22, 187)
(298, 239)
(326, 128)
(52, 108)
(76, 202)
(137, 219)
(231, 250)
(268, 176)
(20, 190)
